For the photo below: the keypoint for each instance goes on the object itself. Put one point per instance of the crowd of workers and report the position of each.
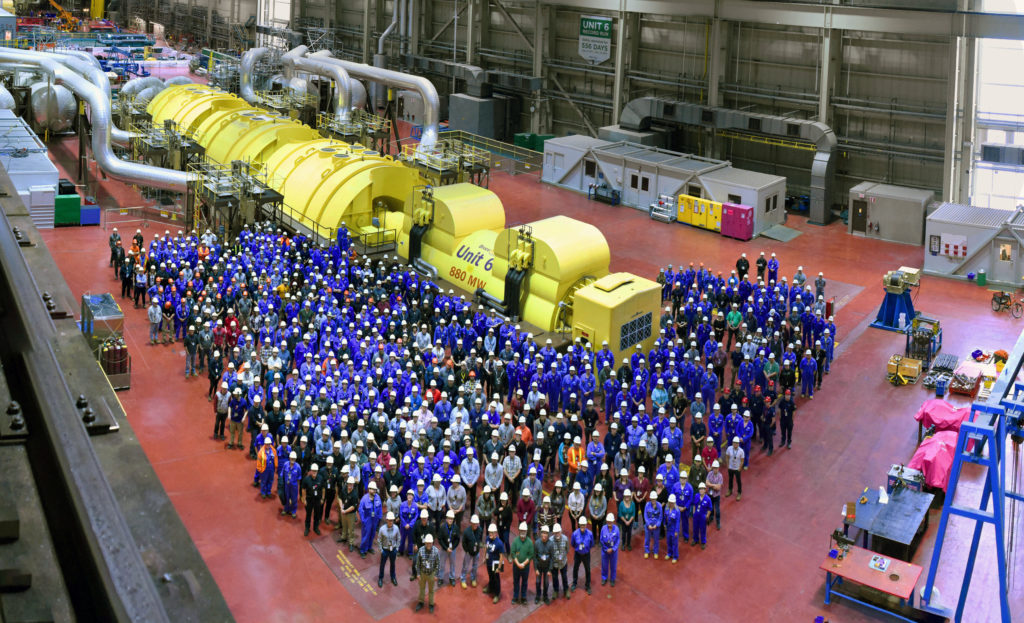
(417, 424)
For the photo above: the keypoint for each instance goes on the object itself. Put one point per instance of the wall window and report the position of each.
(1005, 252)
(998, 115)
(589, 168)
(694, 190)
(735, 199)
(645, 183)
(634, 181)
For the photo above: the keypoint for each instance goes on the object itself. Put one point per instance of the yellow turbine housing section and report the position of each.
(470, 247)
(325, 182)
(189, 105)
(333, 182)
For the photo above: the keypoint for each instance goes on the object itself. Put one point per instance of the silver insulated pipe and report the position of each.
(297, 60)
(356, 90)
(249, 60)
(87, 66)
(99, 105)
(425, 88)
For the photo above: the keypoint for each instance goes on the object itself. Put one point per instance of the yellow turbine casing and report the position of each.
(565, 251)
(620, 308)
(460, 241)
(327, 182)
(189, 105)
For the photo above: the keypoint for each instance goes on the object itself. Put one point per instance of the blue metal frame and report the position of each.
(892, 306)
(989, 425)
(829, 583)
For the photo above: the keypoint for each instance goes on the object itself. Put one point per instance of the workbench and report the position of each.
(893, 528)
(898, 581)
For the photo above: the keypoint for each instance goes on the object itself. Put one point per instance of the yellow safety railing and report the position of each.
(774, 141)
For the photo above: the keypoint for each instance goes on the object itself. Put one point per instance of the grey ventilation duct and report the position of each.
(641, 113)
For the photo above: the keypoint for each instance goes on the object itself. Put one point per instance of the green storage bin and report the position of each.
(67, 210)
(538, 141)
(523, 139)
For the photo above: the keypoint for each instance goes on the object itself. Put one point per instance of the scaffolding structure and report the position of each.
(451, 160)
(362, 128)
(295, 104)
(226, 197)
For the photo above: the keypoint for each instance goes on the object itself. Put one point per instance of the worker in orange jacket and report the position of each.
(524, 431)
(574, 455)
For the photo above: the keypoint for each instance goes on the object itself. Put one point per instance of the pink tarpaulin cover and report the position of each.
(942, 415)
(934, 458)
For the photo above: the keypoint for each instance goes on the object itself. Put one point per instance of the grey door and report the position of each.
(1004, 260)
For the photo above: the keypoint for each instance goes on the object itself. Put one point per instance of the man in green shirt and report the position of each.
(771, 369)
(522, 554)
(732, 322)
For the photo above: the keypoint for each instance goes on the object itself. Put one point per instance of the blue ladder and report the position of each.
(987, 427)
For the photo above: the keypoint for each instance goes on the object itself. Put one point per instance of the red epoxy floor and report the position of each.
(762, 566)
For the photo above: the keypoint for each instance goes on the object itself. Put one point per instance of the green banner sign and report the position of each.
(595, 38)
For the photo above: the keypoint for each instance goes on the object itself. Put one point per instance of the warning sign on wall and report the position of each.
(595, 38)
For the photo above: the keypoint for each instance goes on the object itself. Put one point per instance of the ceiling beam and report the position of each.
(935, 22)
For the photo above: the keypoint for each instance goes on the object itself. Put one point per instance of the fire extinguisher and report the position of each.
(117, 358)
(105, 359)
(124, 358)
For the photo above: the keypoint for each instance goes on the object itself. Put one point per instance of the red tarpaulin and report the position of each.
(939, 413)
(934, 458)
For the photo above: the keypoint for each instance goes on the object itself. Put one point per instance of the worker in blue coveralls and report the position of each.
(746, 433)
(702, 506)
(407, 514)
(671, 518)
(773, 269)
(684, 500)
(371, 510)
(808, 368)
(595, 455)
(292, 475)
(652, 525)
(611, 540)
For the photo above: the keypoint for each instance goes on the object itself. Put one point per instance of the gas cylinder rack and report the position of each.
(103, 326)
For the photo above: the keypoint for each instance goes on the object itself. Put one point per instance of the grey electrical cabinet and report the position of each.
(886, 212)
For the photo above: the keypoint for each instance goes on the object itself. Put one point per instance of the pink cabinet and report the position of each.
(737, 221)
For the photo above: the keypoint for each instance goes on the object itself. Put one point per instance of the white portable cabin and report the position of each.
(764, 192)
(961, 239)
(24, 158)
(642, 174)
(887, 212)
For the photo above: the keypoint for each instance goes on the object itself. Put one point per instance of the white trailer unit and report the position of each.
(887, 212)
(24, 158)
(962, 239)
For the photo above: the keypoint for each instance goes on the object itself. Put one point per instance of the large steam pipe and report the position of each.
(296, 59)
(425, 88)
(89, 67)
(99, 106)
(356, 90)
(249, 60)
